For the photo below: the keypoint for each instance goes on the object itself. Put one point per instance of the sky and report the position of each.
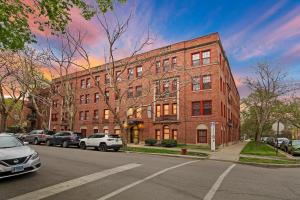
(251, 31)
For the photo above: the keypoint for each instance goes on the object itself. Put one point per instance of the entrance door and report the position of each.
(131, 135)
(83, 132)
(202, 136)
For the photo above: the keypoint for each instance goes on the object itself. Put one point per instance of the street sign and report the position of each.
(278, 126)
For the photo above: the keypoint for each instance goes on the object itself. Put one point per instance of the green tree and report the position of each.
(14, 18)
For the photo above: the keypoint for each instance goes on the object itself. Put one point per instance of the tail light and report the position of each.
(43, 135)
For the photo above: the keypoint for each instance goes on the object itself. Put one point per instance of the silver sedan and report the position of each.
(16, 158)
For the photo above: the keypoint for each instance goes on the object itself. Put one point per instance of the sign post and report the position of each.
(277, 127)
(213, 136)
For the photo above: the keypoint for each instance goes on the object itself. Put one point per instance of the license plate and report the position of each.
(18, 168)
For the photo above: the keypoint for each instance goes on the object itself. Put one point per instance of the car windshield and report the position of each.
(9, 142)
(296, 142)
(114, 136)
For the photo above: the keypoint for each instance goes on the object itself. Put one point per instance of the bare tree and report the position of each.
(267, 86)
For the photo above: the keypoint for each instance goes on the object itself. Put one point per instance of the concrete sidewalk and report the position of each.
(228, 153)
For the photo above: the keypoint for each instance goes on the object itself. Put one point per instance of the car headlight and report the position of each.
(34, 156)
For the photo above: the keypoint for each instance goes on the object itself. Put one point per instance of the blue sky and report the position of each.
(250, 30)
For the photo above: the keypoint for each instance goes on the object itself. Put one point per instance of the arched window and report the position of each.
(166, 132)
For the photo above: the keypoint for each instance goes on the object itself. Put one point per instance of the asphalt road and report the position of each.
(130, 176)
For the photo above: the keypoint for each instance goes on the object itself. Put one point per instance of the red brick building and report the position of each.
(197, 86)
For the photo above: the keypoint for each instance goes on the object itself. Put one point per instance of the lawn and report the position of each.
(193, 146)
(163, 151)
(267, 161)
(260, 149)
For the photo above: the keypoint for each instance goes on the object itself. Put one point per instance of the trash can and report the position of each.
(183, 151)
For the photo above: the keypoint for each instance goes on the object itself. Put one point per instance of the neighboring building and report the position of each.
(202, 92)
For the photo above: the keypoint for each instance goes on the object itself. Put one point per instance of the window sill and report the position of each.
(201, 90)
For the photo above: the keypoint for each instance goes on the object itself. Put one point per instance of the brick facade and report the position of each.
(199, 64)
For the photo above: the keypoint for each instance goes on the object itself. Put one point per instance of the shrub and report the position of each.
(150, 142)
(169, 143)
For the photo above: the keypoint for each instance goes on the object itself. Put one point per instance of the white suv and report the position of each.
(102, 142)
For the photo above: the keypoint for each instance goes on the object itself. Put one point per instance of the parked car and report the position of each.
(38, 136)
(284, 145)
(16, 158)
(264, 139)
(102, 142)
(271, 141)
(64, 139)
(294, 147)
(278, 141)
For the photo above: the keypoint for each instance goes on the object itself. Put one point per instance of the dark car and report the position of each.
(294, 147)
(38, 136)
(271, 141)
(284, 145)
(65, 139)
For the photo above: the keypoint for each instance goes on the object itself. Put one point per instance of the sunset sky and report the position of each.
(250, 30)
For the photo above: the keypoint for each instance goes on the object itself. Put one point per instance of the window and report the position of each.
(206, 82)
(157, 88)
(106, 79)
(174, 62)
(130, 73)
(82, 83)
(97, 80)
(95, 131)
(174, 109)
(174, 134)
(97, 97)
(139, 113)
(117, 131)
(105, 130)
(87, 98)
(195, 59)
(138, 91)
(196, 83)
(139, 71)
(118, 75)
(117, 94)
(55, 103)
(82, 99)
(221, 84)
(130, 92)
(86, 115)
(106, 95)
(96, 114)
(166, 132)
(196, 108)
(81, 115)
(205, 57)
(106, 114)
(166, 109)
(157, 134)
(54, 117)
(166, 88)
(157, 67)
(166, 65)
(158, 111)
(207, 107)
(88, 83)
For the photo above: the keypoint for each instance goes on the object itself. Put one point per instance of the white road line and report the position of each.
(116, 192)
(61, 187)
(215, 187)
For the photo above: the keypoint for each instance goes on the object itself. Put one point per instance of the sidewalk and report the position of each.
(228, 153)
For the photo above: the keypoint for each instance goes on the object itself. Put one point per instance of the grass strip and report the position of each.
(267, 161)
(163, 151)
(260, 149)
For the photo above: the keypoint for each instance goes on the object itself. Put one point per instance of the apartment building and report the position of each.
(175, 92)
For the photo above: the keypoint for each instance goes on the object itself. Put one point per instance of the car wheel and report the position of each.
(65, 144)
(48, 143)
(35, 141)
(82, 145)
(103, 147)
(116, 149)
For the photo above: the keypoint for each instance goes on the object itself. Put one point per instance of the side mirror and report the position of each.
(25, 143)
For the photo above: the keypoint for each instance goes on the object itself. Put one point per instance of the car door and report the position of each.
(30, 136)
(89, 140)
(56, 138)
(97, 139)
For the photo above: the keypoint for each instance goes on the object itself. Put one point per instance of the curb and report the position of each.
(271, 165)
(171, 155)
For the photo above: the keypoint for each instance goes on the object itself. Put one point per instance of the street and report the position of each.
(118, 175)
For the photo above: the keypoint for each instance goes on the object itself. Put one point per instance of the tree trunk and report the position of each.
(3, 122)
